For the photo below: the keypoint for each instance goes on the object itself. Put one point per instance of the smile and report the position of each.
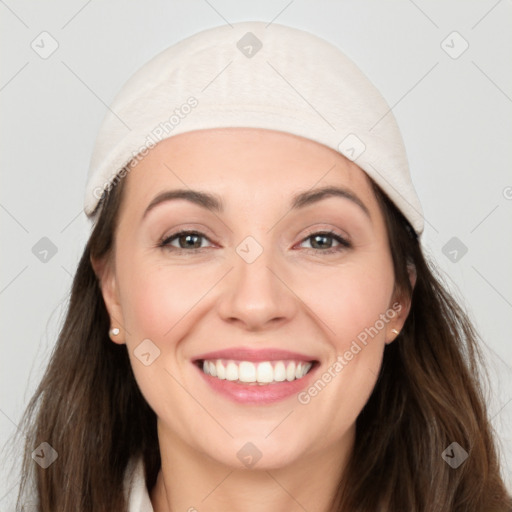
(257, 373)
(256, 376)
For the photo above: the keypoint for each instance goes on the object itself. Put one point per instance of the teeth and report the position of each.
(290, 371)
(221, 371)
(264, 372)
(279, 372)
(246, 372)
(232, 371)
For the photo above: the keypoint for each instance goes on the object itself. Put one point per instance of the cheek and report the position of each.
(156, 298)
(351, 299)
(157, 304)
(352, 302)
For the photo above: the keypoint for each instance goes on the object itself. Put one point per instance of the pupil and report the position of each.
(189, 240)
(322, 239)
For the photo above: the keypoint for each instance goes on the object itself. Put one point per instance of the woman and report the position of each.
(253, 325)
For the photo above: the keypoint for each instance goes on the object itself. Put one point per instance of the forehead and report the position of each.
(240, 162)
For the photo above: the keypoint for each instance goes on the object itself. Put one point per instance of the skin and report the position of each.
(294, 296)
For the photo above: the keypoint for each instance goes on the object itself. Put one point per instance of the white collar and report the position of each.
(135, 489)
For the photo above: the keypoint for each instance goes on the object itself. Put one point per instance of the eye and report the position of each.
(185, 240)
(326, 241)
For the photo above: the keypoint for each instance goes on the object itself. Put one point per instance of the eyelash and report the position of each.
(343, 242)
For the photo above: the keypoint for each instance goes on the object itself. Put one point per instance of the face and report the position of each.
(265, 255)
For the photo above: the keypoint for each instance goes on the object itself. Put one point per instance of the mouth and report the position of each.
(251, 376)
(255, 373)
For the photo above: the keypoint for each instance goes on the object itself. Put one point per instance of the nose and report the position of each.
(257, 295)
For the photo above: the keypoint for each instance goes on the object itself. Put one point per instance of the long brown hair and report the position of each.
(89, 408)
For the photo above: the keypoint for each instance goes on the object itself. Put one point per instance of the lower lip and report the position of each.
(255, 393)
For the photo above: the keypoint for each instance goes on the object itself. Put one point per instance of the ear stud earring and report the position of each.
(395, 332)
(114, 331)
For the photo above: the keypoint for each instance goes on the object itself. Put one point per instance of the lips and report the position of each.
(246, 354)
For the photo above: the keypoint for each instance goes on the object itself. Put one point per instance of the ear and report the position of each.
(105, 272)
(401, 305)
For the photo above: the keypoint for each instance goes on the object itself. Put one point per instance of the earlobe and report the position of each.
(393, 332)
(114, 334)
(108, 284)
(392, 335)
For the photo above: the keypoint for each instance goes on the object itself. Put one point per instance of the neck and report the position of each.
(192, 481)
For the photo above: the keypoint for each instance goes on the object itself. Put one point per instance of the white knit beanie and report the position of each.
(252, 74)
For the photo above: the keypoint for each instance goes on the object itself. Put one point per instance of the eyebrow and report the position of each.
(315, 195)
(214, 203)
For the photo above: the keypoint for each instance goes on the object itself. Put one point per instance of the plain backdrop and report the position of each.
(444, 68)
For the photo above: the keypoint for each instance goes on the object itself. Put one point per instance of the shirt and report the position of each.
(135, 489)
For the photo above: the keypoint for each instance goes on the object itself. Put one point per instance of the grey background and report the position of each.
(454, 113)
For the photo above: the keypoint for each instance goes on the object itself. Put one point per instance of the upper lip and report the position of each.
(247, 354)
